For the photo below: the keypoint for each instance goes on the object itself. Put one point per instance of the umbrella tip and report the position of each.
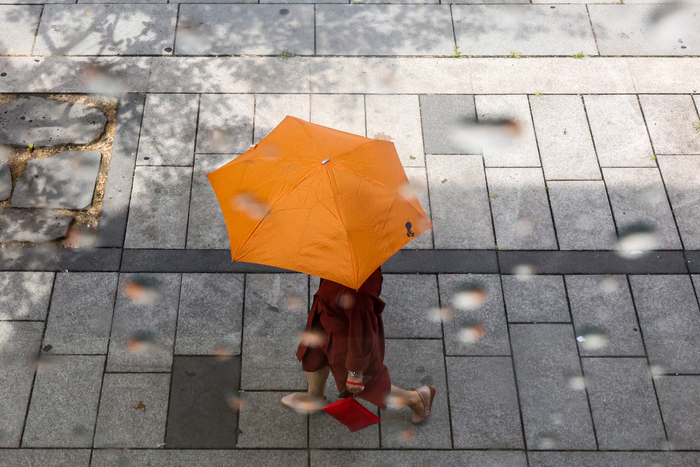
(325, 161)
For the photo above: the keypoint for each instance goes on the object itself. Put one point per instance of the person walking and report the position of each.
(346, 338)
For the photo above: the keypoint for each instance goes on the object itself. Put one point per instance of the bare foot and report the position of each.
(303, 402)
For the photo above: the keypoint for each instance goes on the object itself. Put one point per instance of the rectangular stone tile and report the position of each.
(25, 295)
(418, 185)
(45, 457)
(397, 119)
(409, 299)
(669, 316)
(459, 202)
(441, 115)
(491, 315)
(168, 130)
(19, 24)
(520, 209)
(81, 313)
(206, 228)
(158, 209)
(106, 30)
(638, 196)
(526, 29)
(225, 123)
(605, 303)
(384, 30)
(678, 396)
(418, 458)
(325, 432)
(271, 330)
(670, 122)
(344, 112)
(133, 410)
(143, 329)
(555, 415)
(623, 401)
(188, 458)
(582, 215)
(64, 403)
(210, 314)
(522, 150)
(412, 364)
(608, 459)
(21, 341)
(535, 299)
(245, 29)
(198, 413)
(629, 30)
(564, 138)
(664, 74)
(271, 109)
(683, 187)
(266, 423)
(484, 403)
(619, 132)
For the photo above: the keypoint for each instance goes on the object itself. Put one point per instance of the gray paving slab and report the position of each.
(491, 315)
(5, 182)
(158, 209)
(683, 189)
(412, 364)
(188, 458)
(525, 29)
(672, 74)
(520, 209)
(623, 403)
(678, 397)
(80, 316)
(617, 459)
(133, 410)
(344, 112)
(206, 228)
(418, 182)
(484, 403)
(582, 215)
(417, 458)
(605, 303)
(245, 29)
(23, 341)
(210, 314)
(106, 30)
(555, 415)
(459, 202)
(20, 24)
(325, 432)
(397, 119)
(632, 30)
(384, 30)
(564, 138)
(670, 122)
(45, 457)
(619, 132)
(537, 299)
(143, 331)
(199, 414)
(168, 130)
(271, 109)
(25, 295)
(266, 423)
(638, 195)
(225, 123)
(36, 226)
(441, 115)
(409, 299)
(271, 331)
(522, 150)
(64, 404)
(668, 314)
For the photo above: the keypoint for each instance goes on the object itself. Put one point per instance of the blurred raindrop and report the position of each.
(635, 240)
(81, 237)
(439, 315)
(474, 136)
(395, 402)
(670, 21)
(294, 303)
(42, 362)
(267, 152)
(142, 289)
(312, 338)
(235, 401)
(407, 192)
(189, 38)
(346, 300)
(407, 435)
(102, 80)
(525, 226)
(547, 441)
(251, 206)
(609, 285)
(524, 272)
(468, 296)
(81, 430)
(141, 342)
(592, 338)
(657, 370)
(577, 383)
(471, 332)
(557, 418)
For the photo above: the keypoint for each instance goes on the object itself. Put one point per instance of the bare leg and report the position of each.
(409, 398)
(317, 382)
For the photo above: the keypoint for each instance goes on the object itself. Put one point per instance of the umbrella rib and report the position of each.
(340, 216)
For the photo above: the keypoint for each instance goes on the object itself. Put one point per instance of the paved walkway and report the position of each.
(589, 359)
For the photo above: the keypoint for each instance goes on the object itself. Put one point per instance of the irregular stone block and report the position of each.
(49, 122)
(66, 180)
(5, 182)
(19, 225)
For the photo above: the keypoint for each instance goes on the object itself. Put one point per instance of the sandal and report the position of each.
(427, 394)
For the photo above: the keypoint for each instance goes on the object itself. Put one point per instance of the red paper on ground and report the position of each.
(351, 413)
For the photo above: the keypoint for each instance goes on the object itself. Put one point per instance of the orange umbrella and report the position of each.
(318, 201)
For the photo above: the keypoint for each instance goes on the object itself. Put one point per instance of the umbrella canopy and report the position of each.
(318, 201)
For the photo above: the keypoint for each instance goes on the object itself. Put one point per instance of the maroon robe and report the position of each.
(352, 323)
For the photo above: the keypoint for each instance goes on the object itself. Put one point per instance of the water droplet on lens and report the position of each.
(469, 296)
(547, 441)
(524, 272)
(592, 338)
(437, 315)
(577, 383)
(636, 240)
(610, 284)
(471, 332)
